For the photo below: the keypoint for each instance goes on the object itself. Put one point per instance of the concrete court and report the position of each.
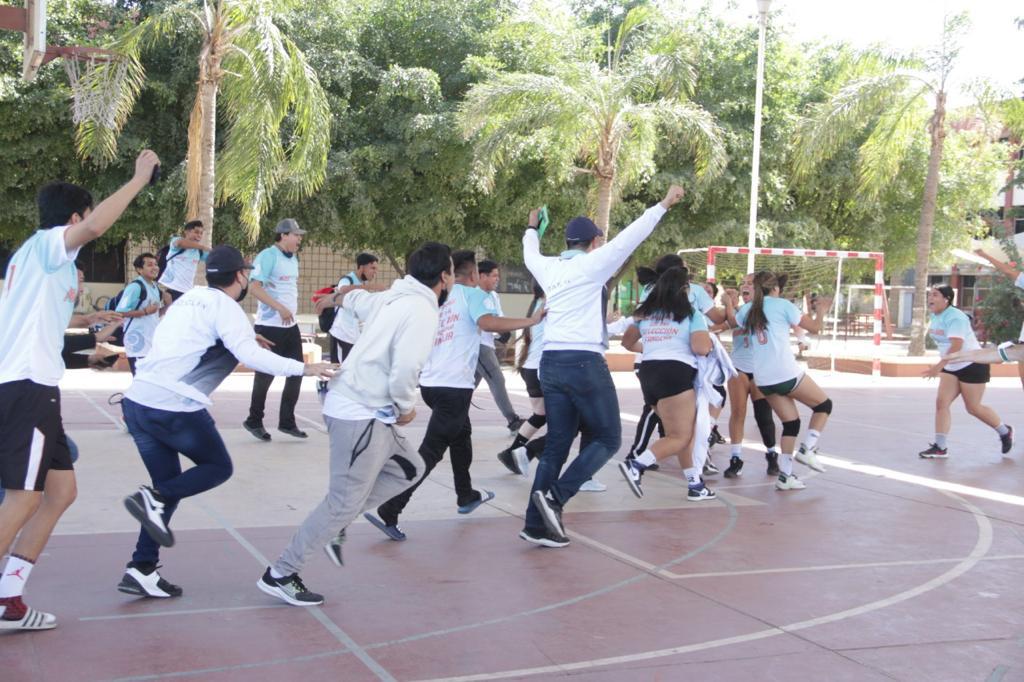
(880, 570)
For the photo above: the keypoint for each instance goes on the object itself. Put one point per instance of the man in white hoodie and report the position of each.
(373, 395)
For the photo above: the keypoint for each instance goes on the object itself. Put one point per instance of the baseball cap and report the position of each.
(582, 229)
(226, 258)
(288, 226)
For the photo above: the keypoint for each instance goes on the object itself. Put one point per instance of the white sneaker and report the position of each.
(593, 486)
(522, 461)
(790, 482)
(809, 458)
(148, 509)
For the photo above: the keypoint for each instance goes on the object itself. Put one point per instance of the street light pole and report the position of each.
(762, 21)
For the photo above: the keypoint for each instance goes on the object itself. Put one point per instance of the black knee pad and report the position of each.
(825, 407)
(537, 420)
(791, 428)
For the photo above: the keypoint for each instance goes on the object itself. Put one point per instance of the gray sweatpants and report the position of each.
(487, 367)
(371, 462)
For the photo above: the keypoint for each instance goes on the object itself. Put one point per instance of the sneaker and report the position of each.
(790, 482)
(650, 467)
(735, 467)
(514, 424)
(700, 494)
(485, 496)
(593, 486)
(293, 431)
(333, 548)
(148, 509)
(716, 437)
(143, 580)
(544, 538)
(709, 467)
(772, 458)
(1007, 440)
(257, 431)
(515, 460)
(289, 589)
(16, 615)
(550, 511)
(934, 452)
(393, 532)
(633, 471)
(809, 458)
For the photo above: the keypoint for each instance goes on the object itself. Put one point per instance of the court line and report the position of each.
(316, 425)
(182, 612)
(117, 422)
(836, 567)
(229, 668)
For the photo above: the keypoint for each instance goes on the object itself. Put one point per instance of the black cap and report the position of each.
(582, 229)
(226, 258)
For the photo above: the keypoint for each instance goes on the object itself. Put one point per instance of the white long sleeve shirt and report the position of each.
(572, 284)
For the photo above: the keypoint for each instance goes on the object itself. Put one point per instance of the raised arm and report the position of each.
(999, 265)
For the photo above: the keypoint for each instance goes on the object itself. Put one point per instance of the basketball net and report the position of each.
(96, 86)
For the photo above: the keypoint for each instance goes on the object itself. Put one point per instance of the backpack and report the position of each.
(117, 338)
(162, 258)
(328, 315)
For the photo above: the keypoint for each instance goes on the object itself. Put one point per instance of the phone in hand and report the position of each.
(542, 216)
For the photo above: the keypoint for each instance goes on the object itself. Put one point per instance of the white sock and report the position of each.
(786, 464)
(646, 458)
(812, 439)
(275, 574)
(692, 477)
(1002, 429)
(16, 573)
(528, 430)
(940, 440)
(737, 450)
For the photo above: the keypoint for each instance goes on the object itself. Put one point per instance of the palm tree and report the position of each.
(602, 120)
(277, 115)
(892, 100)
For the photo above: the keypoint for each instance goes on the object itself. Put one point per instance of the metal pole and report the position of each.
(762, 11)
(835, 313)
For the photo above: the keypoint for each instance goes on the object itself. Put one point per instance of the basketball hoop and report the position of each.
(97, 80)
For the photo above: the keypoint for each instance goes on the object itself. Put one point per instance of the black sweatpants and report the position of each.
(287, 343)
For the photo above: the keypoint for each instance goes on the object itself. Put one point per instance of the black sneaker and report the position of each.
(289, 589)
(544, 538)
(514, 424)
(143, 580)
(293, 431)
(773, 462)
(709, 467)
(550, 511)
(735, 467)
(393, 532)
(1007, 440)
(935, 452)
(633, 472)
(147, 506)
(651, 467)
(333, 548)
(515, 460)
(715, 438)
(257, 431)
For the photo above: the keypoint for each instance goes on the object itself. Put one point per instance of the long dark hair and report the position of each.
(669, 297)
(764, 282)
(538, 297)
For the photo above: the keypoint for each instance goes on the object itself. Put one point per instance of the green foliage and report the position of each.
(1001, 310)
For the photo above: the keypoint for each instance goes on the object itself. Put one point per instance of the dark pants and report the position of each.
(578, 394)
(131, 364)
(160, 436)
(287, 343)
(449, 428)
(645, 430)
(339, 349)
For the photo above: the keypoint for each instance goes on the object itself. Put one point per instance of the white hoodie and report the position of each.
(384, 366)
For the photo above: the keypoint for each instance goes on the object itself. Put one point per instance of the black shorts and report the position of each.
(664, 379)
(32, 440)
(974, 373)
(532, 379)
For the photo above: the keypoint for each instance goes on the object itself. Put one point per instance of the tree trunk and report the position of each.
(926, 225)
(604, 202)
(394, 263)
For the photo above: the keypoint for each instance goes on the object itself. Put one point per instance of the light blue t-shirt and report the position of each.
(952, 323)
(36, 304)
(742, 351)
(138, 331)
(773, 359)
(665, 339)
(699, 298)
(452, 362)
(279, 274)
(180, 271)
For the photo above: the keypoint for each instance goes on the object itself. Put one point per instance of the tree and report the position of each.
(278, 120)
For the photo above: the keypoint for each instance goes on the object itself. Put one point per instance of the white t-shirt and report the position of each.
(487, 338)
(665, 339)
(180, 271)
(774, 362)
(138, 331)
(36, 304)
(532, 360)
(452, 362)
(952, 323)
(279, 274)
(346, 326)
(338, 406)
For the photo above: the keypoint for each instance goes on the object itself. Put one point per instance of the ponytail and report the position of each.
(764, 282)
(670, 297)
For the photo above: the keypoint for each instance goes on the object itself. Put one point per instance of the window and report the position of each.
(1018, 225)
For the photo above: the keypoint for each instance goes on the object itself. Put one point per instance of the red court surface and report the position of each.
(879, 570)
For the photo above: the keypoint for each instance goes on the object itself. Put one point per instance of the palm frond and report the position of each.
(882, 153)
(690, 125)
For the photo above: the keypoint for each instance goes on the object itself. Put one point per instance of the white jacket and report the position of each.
(714, 369)
(398, 334)
(572, 284)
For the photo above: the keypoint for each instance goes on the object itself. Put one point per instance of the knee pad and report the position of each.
(537, 420)
(791, 428)
(825, 407)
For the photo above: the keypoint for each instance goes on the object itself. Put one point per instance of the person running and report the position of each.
(646, 277)
(36, 305)
(1017, 276)
(184, 252)
(140, 306)
(446, 384)
(768, 319)
(670, 334)
(950, 329)
(488, 366)
(275, 280)
(741, 387)
(345, 330)
(578, 388)
(200, 341)
(366, 404)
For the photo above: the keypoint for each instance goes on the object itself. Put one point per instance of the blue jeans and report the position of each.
(578, 394)
(160, 435)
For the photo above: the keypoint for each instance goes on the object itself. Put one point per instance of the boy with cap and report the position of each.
(200, 341)
(275, 283)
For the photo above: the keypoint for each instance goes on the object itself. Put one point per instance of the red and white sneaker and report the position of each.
(16, 615)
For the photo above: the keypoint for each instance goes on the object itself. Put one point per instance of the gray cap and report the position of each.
(288, 226)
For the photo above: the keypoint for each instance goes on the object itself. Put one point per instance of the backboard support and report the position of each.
(30, 20)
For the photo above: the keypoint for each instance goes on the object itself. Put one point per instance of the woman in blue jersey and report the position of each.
(670, 333)
(768, 318)
(951, 330)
